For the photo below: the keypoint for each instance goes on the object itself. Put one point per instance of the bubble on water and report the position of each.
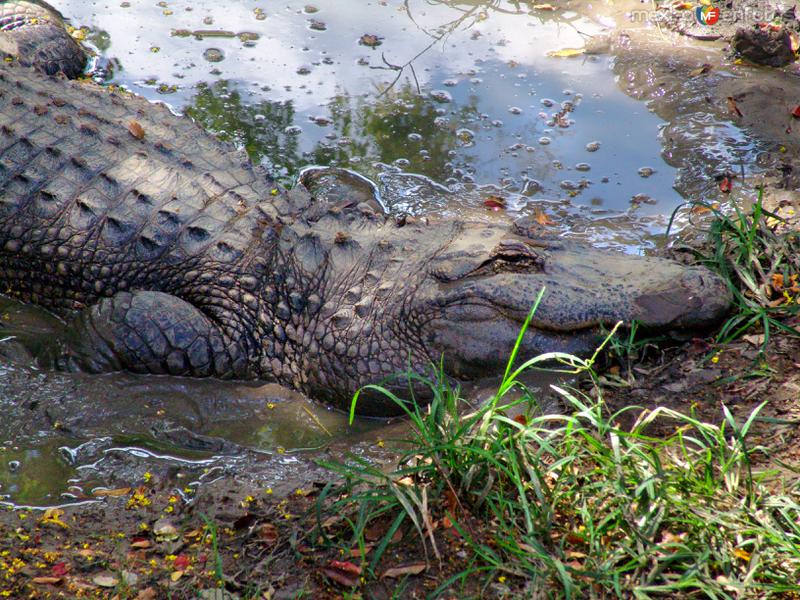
(465, 137)
(544, 140)
(593, 146)
(497, 123)
(441, 122)
(14, 465)
(583, 167)
(476, 80)
(646, 171)
(450, 82)
(303, 70)
(570, 185)
(322, 121)
(557, 164)
(414, 137)
(567, 92)
(547, 102)
(402, 163)
(293, 130)
(442, 96)
(604, 179)
(214, 55)
(515, 110)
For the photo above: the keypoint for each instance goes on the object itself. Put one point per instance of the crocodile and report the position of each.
(166, 251)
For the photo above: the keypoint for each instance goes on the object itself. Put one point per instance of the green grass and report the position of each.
(576, 505)
(752, 252)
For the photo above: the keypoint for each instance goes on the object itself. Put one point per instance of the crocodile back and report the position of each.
(102, 191)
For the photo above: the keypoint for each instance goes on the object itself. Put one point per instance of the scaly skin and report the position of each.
(173, 254)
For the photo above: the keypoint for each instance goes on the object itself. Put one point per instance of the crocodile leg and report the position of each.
(150, 332)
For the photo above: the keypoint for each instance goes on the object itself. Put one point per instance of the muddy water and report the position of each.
(441, 104)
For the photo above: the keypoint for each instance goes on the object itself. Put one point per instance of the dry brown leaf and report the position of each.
(146, 594)
(105, 580)
(102, 493)
(397, 572)
(705, 68)
(541, 217)
(543, 7)
(268, 533)
(699, 209)
(47, 580)
(343, 572)
(136, 130)
(733, 108)
(356, 552)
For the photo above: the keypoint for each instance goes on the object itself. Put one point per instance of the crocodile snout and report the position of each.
(699, 299)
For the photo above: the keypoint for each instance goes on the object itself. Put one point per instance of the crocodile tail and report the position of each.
(34, 34)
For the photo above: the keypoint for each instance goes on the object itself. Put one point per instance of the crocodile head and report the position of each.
(459, 292)
(481, 287)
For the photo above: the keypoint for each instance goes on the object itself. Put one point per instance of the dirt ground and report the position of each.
(149, 542)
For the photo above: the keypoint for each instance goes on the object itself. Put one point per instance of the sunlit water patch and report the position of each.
(462, 93)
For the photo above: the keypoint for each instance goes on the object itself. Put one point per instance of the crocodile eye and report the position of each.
(509, 256)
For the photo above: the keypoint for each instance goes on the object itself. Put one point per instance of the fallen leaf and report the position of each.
(796, 112)
(705, 68)
(181, 562)
(356, 552)
(541, 217)
(140, 543)
(268, 532)
(543, 7)
(165, 530)
(397, 572)
(742, 554)
(175, 575)
(59, 569)
(53, 516)
(47, 580)
(406, 481)
(699, 209)
(146, 594)
(343, 572)
(136, 130)
(103, 493)
(733, 108)
(370, 40)
(521, 419)
(671, 538)
(566, 52)
(105, 580)
(450, 501)
(495, 203)
(725, 185)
